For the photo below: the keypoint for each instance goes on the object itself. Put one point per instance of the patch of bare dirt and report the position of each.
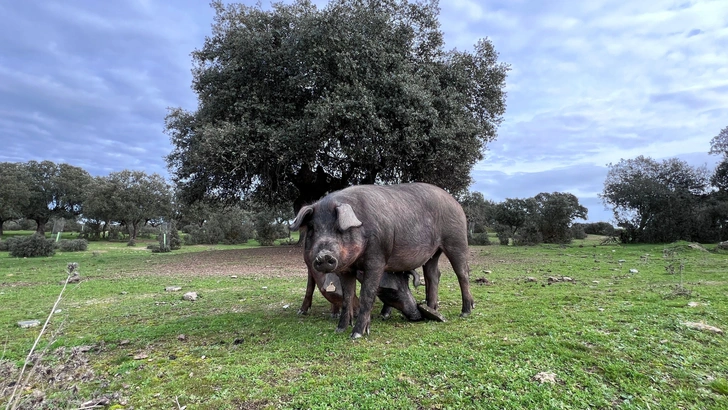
(275, 261)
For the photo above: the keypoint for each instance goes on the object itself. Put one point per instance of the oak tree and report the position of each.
(297, 101)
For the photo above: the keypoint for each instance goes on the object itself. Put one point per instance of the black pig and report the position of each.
(375, 229)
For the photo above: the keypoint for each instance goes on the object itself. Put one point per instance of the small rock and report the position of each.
(28, 323)
(286, 306)
(703, 326)
(141, 356)
(172, 289)
(233, 276)
(621, 261)
(191, 296)
(567, 279)
(596, 282)
(182, 337)
(124, 342)
(695, 304)
(531, 279)
(634, 271)
(552, 279)
(124, 293)
(265, 287)
(58, 311)
(487, 272)
(545, 377)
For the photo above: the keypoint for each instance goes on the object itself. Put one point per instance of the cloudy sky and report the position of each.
(88, 83)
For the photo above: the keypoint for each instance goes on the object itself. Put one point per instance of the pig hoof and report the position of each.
(339, 329)
(302, 312)
(356, 336)
(465, 314)
(386, 316)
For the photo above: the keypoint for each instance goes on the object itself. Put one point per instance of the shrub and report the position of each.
(4, 245)
(230, 226)
(577, 231)
(72, 245)
(266, 231)
(528, 235)
(479, 239)
(31, 246)
(11, 226)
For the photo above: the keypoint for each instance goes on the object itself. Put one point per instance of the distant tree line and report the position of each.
(33, 195)
(545, 218)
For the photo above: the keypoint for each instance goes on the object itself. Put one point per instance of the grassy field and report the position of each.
(553, 327)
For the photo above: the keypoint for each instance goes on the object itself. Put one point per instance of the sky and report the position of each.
(89, 83)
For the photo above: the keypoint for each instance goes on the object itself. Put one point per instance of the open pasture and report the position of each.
(553, 327)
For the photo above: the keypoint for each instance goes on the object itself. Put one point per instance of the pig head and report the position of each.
(374, 229)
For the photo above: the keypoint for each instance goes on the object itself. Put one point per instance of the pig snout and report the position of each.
(325, 262)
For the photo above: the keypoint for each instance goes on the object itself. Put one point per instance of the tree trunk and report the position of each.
(40, 228)
(2, 221)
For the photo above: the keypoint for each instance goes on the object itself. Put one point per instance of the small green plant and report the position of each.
(31, 246)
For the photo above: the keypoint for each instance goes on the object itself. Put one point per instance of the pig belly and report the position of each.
(404, 259)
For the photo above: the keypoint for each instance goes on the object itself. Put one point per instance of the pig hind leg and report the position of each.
(458, 257)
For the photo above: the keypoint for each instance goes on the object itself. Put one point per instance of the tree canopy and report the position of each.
(13, 192)
(54, 191)
(298, 101)
(655, 200)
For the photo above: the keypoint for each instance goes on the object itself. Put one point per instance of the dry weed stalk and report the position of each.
(13, 401)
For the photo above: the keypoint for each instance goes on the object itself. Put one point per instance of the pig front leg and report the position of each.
(308, 297)
(432, 281)
(348, 288)
(369, 288)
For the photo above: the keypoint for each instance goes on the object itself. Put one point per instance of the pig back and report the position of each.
(407, 221)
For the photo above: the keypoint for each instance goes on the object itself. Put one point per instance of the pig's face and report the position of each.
(334, 237)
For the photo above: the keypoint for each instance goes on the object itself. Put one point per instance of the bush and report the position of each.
(529, 235)
(577, 231)
(4, 245)
(503, 234)
(72, 245)
(31, 246)
(479, 239)
(266, 230)
(11, 226)
(230, 226)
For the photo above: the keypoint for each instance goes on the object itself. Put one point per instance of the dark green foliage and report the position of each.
(503, 232)
(577, 231)
(298, 101)
(598, 228)
(266, 229)
(555, 212)
(479, 239)
(661, 201)
(132, 242)
(229, 225)
(54, 191)
(72, 245)
(4, 245)
(14, 192)
(31, 246)
(529, 235)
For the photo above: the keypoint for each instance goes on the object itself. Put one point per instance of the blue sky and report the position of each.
(88, 83)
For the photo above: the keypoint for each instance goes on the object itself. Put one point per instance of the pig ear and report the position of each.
(346, 217)
(303, 215)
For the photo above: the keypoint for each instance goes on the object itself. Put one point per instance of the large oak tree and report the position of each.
(298, 101)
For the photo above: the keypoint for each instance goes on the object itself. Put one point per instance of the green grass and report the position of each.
(613, 339)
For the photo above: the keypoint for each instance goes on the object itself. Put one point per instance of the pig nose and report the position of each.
(325, 263)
